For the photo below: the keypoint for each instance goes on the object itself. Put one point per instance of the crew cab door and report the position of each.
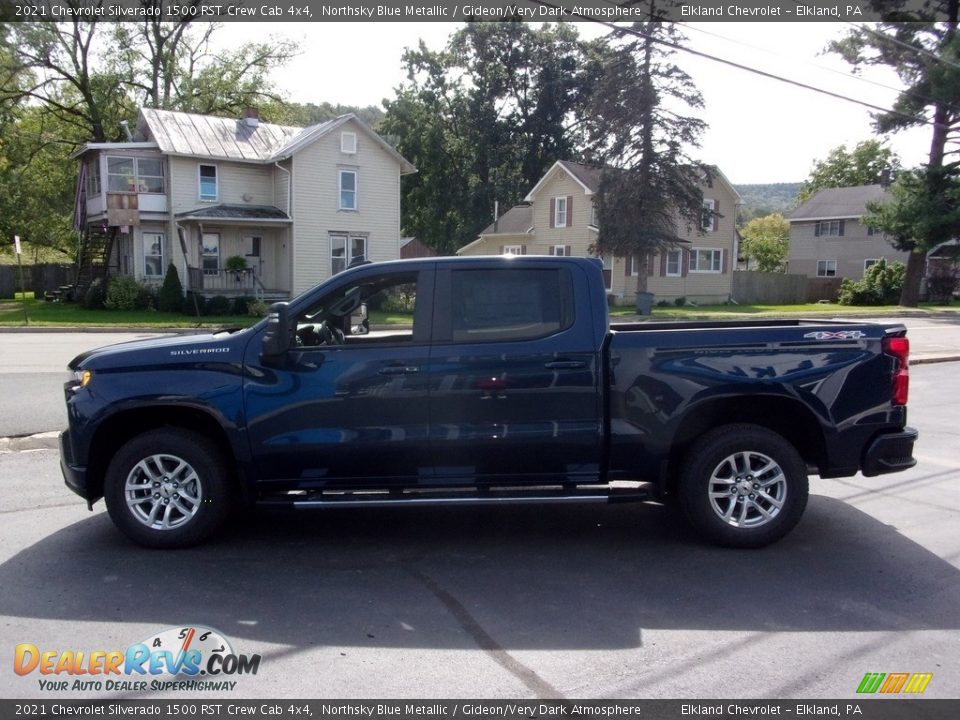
(345, 406)
(514, 377)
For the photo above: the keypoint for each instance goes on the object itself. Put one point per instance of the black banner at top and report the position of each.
(608, 11)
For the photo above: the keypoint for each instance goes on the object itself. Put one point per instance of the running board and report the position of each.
(418, 499)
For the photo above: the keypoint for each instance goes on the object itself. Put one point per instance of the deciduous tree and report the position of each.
(766, 242)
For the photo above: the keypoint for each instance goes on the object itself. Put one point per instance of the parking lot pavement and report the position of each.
(593, 601)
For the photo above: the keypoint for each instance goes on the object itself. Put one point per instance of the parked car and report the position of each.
(507, 385)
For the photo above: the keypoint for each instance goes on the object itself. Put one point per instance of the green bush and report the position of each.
(235, 263)
(171, 292)
(400, 300)
(193, 304)
(941, 286)
(241, 305)
(96, 295)
(680, 301)
(257, 308)
(218, 305)
(880, 285)
(125, 293)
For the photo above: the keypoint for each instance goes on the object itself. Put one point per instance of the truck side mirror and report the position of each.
(359, 322)
(276, 340)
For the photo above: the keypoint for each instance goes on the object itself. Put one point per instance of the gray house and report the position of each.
(828, 238)
(239, 206)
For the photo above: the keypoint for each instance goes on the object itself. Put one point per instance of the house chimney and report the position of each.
(885, 177)
(126, 130)
(251, 117)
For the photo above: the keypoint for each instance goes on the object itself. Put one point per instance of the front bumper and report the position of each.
(75, 476)
(889, 453)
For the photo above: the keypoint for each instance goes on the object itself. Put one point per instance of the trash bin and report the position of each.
(644, 303)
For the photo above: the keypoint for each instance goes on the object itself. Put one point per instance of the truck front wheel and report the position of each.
(167, 488)
(743, 486)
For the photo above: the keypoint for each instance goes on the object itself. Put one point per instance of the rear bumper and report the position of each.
(75, 476)
(889, 453)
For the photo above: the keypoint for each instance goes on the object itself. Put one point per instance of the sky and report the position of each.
(760, 130)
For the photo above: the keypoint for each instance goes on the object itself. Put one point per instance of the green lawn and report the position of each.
(46, 314)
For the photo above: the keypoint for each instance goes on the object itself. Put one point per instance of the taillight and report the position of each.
(899, 348)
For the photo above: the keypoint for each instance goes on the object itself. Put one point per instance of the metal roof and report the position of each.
(236, 212)
(206, 136)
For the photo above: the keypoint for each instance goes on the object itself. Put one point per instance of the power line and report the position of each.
(740, 66)
(908, 46)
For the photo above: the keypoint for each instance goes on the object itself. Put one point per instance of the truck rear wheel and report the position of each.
(743, 486)
(167, 488)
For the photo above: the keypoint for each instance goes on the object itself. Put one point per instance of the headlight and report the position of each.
(81, 378)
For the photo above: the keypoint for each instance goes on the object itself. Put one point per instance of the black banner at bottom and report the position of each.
(856, 709)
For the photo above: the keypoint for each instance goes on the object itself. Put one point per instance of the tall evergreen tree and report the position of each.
(640, 132)
(922, 45)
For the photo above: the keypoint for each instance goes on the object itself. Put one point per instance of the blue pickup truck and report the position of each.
(509, 385)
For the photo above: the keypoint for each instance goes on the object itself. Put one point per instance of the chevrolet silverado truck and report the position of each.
(508, 384)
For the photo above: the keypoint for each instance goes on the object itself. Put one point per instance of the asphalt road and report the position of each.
(520, 602)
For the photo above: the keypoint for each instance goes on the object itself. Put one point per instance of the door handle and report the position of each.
(399, 370)
(565, 365)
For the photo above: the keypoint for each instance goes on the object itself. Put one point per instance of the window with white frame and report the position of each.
(593, 217)
(633, 265)
(348, 189)
(708, 215)
(210, 253)
(348, 143)
(132, 174)
(560, 212)
(706, 260)
(869, 262)
(513, 249)
(346, 250)
(93, 178)
(559, 250)
(152, 254)
(674, 260)
(871, 231)
(826, 268)
(209, 186)
(251, 245)
(829, 228)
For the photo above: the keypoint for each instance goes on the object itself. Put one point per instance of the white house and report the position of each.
(293, 205)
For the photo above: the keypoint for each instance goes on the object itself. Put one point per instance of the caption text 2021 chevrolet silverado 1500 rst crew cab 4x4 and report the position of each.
(509, 385)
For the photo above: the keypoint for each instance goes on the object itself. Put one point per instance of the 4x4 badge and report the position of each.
(840, 335)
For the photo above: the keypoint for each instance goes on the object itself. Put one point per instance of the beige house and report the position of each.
(828, 238)
(240, 206)
(558, 218)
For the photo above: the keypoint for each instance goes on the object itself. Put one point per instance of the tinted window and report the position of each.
(509, 304)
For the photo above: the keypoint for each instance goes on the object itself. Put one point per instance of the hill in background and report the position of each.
(763, 199)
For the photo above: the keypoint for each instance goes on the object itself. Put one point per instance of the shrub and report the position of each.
(400, 300)
(193, 304)
(880, 285)
(96, 295)
(663, 304)
(123, 293)
(257, 308)
(680, 301)
(171, 292)
(241, 305)
(941, 286)
(218, 305)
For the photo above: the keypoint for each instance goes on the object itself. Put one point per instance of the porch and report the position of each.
(232, 283)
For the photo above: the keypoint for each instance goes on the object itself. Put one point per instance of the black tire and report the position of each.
(178, 493)
(743, 486)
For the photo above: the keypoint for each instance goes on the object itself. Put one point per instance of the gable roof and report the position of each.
(587, 176)
(515, 221)
(220, 138)
(838, 203)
